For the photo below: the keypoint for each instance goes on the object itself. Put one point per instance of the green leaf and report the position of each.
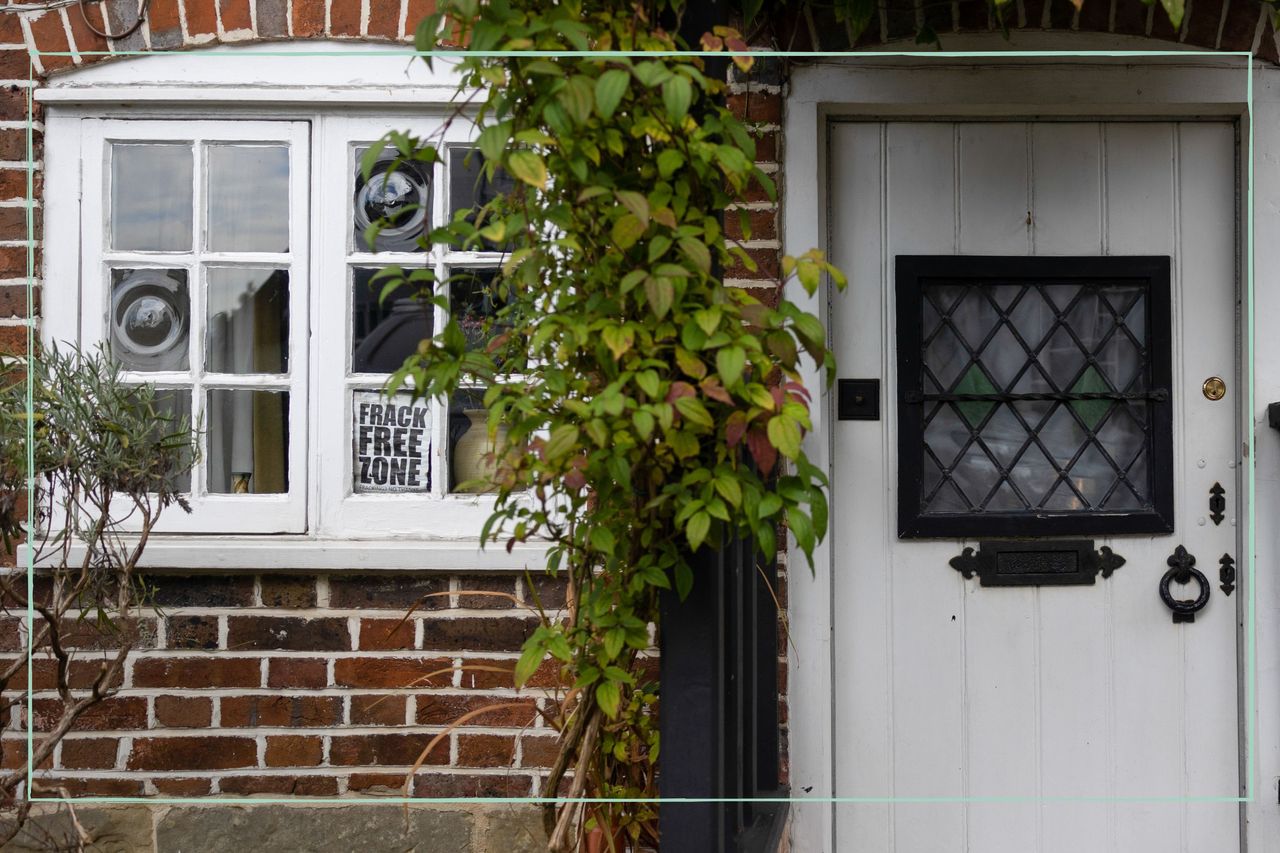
(530, 660)
(610, 89)
(802, 528)
(576, 98)
(669, 161)
(729, 489)
(696, 251)
(528, 167)
(769, 504)
(493, 140)
(614, 640)
(684, 580)
(643, 422)
(636, 203)
(660, 293)
(608, 696)
(563, 439)
(618, 340)
(693, 410)
(627, 230)
(1174, 9)
(697, 529)
(784, 434)
(677, 94)
(602, 540)
(648, 382)
(729, 364)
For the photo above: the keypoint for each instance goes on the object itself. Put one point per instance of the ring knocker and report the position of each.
(1182, 568)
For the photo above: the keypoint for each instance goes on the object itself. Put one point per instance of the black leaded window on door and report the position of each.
(1034, 396)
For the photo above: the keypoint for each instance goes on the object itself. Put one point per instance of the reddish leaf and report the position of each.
(712, 42)
(762, 450)
(680, 389)
(575, 479)
(734, 428)
(712, 388)
(798, 390)
(779, 396)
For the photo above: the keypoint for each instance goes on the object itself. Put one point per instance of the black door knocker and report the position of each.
(1182, 568)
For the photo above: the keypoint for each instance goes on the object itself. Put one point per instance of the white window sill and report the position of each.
(274, 553)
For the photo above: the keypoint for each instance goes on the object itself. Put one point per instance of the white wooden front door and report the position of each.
(1049, 718)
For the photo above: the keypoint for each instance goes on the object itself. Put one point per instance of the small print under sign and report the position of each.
(392, 443)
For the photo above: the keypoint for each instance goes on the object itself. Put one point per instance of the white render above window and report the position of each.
(219, 249)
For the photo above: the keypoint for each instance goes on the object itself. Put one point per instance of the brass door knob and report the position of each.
(1214, 388)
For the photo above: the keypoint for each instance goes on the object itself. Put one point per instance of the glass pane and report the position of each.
(248, 441)
(173, 406)
(473, 302)
(248, 198)
(472, 464)
(397, 194)
(384, 332)
(151, 187)
(248, 311)
(392, 443)
(150, 319)
(471, 188)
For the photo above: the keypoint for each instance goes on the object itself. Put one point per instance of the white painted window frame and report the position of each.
(344, 100)
(945, 88)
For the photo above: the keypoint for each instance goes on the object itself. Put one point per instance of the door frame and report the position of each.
(941, 87)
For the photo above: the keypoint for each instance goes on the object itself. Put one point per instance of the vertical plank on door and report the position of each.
(1001, 643)
(1207, 253)
(861, 583)
(1146, 655)
(1066, 193)
(927, 608)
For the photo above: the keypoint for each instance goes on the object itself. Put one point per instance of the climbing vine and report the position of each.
(640, 408)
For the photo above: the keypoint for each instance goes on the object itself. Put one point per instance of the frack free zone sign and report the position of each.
(392, 438)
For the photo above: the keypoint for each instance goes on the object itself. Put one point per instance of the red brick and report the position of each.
(297, 672)
(164, 23)
(762, 223)
(81, 787)
(308, 18)
(196, 672)
(477, 633)
(442, 709)
(503, 600)
(766, 261)
(50, 35)
(251, 633)
(115, 713)
(13, 341)
(293, 592)
(297, 786)
(81, 674)
(13, 103)
(235, 15)
(15, 64)
(192, 753)
(756, 107)
(550, 592)
(13, 184)
(457, 785)
(383, 783)
(386, 634)
(344, 18)
(294, 751)
(418, 9)
(490, 673)
(388, 749)
(383, 710)
(538, 751)
(295, 711)
(202, 591)
(182, 787)
(184, 712)
(396, 592)
(390, 672)
(384, 19)
(11, 30)
(87, 41)
(192, 632)
(486, 750)
(97, 753)
(13, 224)
(202, 17)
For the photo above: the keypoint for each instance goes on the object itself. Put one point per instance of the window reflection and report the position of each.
(248, 312)
(248, 444)
(248, 198)
(151, 205)
(150, 317)
(384, 332)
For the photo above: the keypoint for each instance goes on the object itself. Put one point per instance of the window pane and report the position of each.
(173, 406)
(384, 332)
(248, 441)
(472, 465)
(392, 443)
(470, 188)
(473, 301)
(149, 323)
(248, 198)
(401, 196)
(151, 196)
(248, 311)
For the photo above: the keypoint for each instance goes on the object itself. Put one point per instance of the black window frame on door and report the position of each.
(915, 273)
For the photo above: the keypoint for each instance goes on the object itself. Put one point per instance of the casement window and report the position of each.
(223, 258)
(1034, 396)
